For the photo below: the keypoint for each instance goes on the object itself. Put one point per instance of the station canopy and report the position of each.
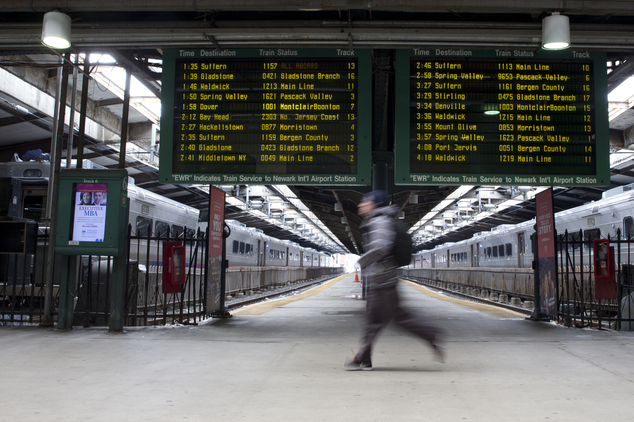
(132, 36)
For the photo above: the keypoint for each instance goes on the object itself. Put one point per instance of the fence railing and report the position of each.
(576, 295)
(23, 284)
(146, 304)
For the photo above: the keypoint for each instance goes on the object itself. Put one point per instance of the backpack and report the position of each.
(403, 246)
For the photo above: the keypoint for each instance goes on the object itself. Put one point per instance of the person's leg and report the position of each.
(416, 324)
(378, 315)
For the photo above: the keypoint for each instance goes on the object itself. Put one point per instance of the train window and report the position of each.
(34, 207)
(249, 250)
(495, 251)
(576, 237)
(143, 226)
(628, 227)
(501, 248)
(488, 252)
(271, 253)
(162, 229)
(236, 246)
(464, 256)
(509, 249)
(592, 234)
(190, 233)
(241, 248)
(177, 232)
(5, 196)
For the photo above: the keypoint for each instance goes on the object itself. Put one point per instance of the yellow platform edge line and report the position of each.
(491, 310)
(264, 307)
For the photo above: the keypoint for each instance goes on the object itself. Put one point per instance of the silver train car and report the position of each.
(250, 247)
(509, 246)
(24, 185)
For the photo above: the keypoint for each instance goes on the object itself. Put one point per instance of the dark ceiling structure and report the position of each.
(135, 32)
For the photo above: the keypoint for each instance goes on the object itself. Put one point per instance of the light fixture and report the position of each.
(338, 206)
(401, 215)
(344, 220)
(555, 32)
(413, 198)
(56, 30)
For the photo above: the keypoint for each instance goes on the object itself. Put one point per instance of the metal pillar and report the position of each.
(82, 111)
(53, 188)
(124, 119)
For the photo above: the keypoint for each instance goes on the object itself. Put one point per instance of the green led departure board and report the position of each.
(504, 117)
(266, 116)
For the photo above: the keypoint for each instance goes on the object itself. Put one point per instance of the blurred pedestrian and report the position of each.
(379, 268)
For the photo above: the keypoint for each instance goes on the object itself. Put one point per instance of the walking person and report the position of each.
(379, 267)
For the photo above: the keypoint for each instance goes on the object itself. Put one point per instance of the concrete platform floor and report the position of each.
(282, 361)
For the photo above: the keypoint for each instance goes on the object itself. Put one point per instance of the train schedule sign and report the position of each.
(266, 116)
(504, 117)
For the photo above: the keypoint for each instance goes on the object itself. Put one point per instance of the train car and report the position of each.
(250, 247)
(509, 246)
(24, 185)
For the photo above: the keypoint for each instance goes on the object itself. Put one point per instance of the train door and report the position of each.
(448, 260)
(286, 255)
(433, 260)
(628, 228)
(261, 253)
(521, 247)
(474, 256)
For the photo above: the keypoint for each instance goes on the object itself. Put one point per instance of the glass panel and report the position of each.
(162, 229)
(143, 226)
(628, 227)
(177, 232)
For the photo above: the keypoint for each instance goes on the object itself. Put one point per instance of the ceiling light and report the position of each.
(56, 30)
(555, 32)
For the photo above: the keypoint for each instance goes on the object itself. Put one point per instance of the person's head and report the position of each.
(372, 200)
(98, 197)
(86, 197)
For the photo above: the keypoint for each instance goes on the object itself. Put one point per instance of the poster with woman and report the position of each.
(89, 219)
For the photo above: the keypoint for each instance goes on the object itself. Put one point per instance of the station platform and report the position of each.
(283, 360)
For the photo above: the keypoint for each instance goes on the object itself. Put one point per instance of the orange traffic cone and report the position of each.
(356, 276)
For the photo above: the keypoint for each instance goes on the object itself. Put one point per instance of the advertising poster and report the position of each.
(216, 243)
(546, 252)
(89, 219)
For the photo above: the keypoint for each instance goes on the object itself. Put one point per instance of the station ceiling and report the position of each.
(135, 32)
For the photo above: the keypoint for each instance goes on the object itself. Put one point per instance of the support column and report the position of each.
(56, 150)
(124, 119)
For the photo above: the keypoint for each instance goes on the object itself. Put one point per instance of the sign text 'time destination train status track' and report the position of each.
(508, 117)
(266, 116)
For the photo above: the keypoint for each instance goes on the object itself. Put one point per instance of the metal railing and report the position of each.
(146, 304)
(22, 285)
(577, 301)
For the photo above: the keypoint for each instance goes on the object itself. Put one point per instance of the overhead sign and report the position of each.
(504, 117)
(266, 116)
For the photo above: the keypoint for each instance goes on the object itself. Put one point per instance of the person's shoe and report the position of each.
(357, 365)
(439, 352)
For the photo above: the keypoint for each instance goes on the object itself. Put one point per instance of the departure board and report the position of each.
(266, 116)
(501, 117)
